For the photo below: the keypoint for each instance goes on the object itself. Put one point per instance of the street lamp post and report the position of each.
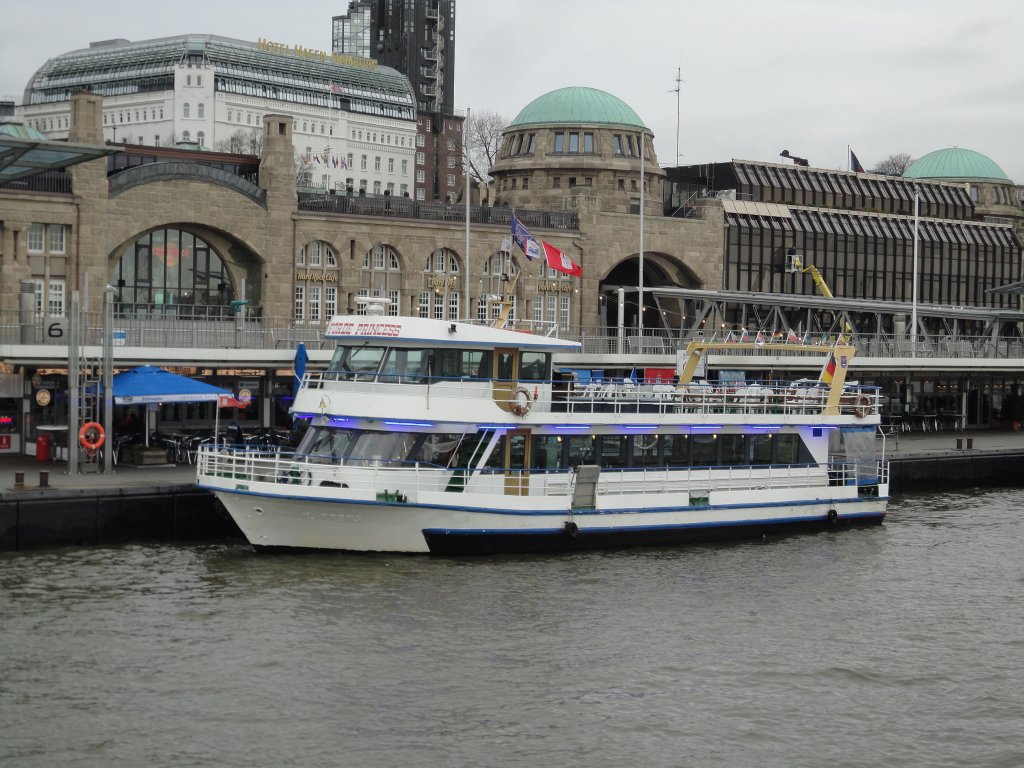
(913, 295)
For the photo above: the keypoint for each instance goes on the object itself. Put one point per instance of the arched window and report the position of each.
(185, 110)
(186, 136)
(201, 138)
(442, 289)
(200, 111)
(173, 272)
(316, 282)
(499, 271)
(381, 276)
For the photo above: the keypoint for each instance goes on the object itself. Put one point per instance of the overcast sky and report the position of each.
(810, 76)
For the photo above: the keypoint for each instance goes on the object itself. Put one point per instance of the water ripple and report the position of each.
(898, 646)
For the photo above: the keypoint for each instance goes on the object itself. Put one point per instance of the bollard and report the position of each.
(19, 481)
(959, 443)
(970, 443)
(44, 479)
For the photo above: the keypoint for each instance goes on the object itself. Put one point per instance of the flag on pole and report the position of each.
(792, 338)
(828, 371)
(521, 236)
(759, 339)
(744, 335)
(558, 260)
(855, 163)
(730, 338)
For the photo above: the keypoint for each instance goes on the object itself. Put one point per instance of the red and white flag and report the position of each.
(558, 260)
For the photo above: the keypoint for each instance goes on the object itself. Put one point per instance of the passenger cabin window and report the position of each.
(356, 363)
(534, 366)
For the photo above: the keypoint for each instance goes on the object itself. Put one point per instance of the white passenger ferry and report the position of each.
(450, 438)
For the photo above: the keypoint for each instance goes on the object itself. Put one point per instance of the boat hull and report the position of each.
(271, 522)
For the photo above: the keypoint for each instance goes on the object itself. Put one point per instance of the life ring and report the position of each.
(91, 436)
(861, 406)
(521, 401)
(571, 529)
(833, 517)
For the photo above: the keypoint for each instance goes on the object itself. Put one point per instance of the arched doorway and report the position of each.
(660, 312)
(172, 272)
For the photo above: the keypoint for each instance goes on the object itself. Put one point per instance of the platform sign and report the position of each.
(55, 330)
(119, 337)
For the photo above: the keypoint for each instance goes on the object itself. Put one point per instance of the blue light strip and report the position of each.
(496, 426)
(572, 426)
(705, 428)
(409, 423)
(641, 426)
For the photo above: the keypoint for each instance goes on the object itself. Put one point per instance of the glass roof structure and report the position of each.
(20, 157)
(120, 67)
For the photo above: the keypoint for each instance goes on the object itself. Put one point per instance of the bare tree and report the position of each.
(894, 165)
(483, 132)
(244, 141)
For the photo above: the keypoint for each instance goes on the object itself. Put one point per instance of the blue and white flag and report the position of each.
(521, 236)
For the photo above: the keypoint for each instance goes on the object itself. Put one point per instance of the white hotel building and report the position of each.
(354, 122)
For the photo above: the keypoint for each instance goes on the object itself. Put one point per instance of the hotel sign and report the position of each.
(555, 286)
(317, 55)
(440, 281)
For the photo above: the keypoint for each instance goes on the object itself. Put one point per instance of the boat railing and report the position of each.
(616, 396)
(409, 480)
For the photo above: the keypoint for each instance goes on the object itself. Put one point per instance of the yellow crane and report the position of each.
(794, 264)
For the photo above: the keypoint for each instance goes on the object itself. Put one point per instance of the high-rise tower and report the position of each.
(417, 38)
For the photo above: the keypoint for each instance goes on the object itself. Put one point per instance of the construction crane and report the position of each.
(793, 264)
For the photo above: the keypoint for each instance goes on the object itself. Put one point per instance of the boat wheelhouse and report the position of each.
(432, 436)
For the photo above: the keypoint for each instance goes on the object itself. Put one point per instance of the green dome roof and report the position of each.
(577, 106)
(955, 163)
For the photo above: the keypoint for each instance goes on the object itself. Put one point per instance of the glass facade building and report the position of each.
(856, 229)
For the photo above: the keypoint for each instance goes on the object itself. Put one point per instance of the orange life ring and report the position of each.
(521, 402)
(91, 436)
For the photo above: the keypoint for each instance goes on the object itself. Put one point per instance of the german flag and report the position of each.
(829, 369)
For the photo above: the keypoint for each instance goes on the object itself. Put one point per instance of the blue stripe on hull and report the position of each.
(486, 542)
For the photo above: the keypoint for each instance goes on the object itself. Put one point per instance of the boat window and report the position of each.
(677, 450)
(356, 363)
(436, 448)
(790, 449)
(382, 446)
(405, 366)
(476, 363)
(613, 451)
(505, 360)
(734, 449)
(497, 458)
(547, 452)
(759, 449)
(534, 366)
(705, 450)
(646, 449)
(325, 445)
(581, 450)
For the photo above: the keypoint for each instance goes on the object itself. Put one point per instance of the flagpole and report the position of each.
(465, 167)
(640, 286)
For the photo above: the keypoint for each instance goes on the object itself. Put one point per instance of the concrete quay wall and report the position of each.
(99, 516)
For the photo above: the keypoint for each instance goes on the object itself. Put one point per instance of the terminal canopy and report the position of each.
(20, 157)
